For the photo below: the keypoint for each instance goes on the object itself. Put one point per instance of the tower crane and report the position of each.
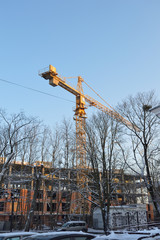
(51, 74)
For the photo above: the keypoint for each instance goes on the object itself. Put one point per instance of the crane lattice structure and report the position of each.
(51, 74)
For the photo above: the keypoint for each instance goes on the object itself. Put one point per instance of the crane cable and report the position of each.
(99, 96)
(94, 92)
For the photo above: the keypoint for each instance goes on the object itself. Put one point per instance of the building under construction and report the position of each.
(58, 196)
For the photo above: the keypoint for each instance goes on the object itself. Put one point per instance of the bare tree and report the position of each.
(102, 133)
(145, 142)
(37, 184)
(54, 149)
(44, 143)
(14, 129)
(68, 147)
(33, 146)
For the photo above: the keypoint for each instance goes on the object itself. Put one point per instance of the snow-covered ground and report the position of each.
(125, 235)
(113, 236)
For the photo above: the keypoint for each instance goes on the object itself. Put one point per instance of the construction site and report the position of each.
(56, 195)
(59, 198)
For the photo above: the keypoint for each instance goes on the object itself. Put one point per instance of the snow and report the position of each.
(124, 235)
(99, 234)
(62, 233)
(19, 233)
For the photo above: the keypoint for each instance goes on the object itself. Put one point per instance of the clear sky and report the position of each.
(113, 44)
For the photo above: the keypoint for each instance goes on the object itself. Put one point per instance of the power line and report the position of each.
(35, 90)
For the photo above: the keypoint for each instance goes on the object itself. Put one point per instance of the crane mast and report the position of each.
(80, 116)
(51, 74)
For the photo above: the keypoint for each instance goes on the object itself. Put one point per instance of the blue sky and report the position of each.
(113, 44)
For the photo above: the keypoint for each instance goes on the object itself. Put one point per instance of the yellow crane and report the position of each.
(51, 74)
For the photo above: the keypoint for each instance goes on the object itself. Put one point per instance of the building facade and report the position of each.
(58, 195)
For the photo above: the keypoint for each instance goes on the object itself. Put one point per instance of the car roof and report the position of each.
(76, 222)
(10, 234)
(57, 234)
(104, 238)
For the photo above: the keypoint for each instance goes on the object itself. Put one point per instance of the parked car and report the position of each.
(74, 226)
(15, 235)
(122, 236)
(62, 236)
(104, 237)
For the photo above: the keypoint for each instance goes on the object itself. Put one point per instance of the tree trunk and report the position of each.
(37, 179)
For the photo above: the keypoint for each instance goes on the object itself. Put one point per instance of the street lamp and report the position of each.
(14, 195)
(156, 110)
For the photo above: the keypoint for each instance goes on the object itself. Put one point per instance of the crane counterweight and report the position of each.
(48, 72)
